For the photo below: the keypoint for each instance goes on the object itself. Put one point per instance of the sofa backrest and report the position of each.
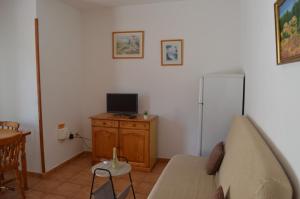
(249, 169)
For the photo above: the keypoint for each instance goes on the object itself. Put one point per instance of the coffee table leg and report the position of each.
(131, 185)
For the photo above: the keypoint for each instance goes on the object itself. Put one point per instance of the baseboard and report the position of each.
(87, 152)
(163, 160)
(34, 174)
(64, 163)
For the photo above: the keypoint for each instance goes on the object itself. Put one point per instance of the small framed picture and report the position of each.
(128, 45)
(287, 18)
(172, 52)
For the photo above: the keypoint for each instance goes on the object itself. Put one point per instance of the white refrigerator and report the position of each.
(221, 97)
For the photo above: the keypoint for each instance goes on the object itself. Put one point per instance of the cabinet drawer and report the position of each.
(105, 123)
(134, 125)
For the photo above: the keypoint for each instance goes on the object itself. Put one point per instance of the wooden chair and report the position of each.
(10, 149)
(9, 125)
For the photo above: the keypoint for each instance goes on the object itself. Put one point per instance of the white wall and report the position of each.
(272, 92)
(211, 32)
(60, 49)
(18, 98)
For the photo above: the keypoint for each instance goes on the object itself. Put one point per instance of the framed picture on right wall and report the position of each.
(172, 52)
(287, 19)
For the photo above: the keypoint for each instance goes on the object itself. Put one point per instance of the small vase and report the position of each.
(145, 117)
(115, 159)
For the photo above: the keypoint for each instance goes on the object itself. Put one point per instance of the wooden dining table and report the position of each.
(6, 133)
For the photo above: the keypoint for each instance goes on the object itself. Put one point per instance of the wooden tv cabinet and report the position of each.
(135, 139)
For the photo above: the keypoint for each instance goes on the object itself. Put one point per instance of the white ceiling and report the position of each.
(111, 3)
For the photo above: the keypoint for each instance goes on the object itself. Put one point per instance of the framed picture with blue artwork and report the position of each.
(128, 45)
(172, 52)
(287, 18)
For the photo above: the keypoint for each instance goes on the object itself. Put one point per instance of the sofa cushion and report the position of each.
(215, 159)
(219, 193)
(249, 166)
(184, 177)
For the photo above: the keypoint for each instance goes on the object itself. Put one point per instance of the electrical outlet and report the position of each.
(74, 134)
(77, 135)
(71, 136)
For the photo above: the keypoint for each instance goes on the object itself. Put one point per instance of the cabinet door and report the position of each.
(105, 139)
(134, 145)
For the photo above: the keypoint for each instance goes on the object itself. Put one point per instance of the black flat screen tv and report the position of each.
(122, 103)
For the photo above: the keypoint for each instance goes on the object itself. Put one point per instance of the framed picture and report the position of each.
(128, 45)
(287, 18)
(172, 52)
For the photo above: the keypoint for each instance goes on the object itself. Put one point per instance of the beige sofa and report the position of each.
(249, 171)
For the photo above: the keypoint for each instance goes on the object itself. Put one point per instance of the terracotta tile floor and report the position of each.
(73, 181)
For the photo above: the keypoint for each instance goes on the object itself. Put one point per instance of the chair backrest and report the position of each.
(10, 149)
(9, 125)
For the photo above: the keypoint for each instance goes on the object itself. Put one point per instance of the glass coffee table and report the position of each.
(105, 169)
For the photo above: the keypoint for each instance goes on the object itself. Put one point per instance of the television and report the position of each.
(122, 103)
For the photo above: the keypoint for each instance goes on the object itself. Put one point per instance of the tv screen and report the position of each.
(122, 103)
